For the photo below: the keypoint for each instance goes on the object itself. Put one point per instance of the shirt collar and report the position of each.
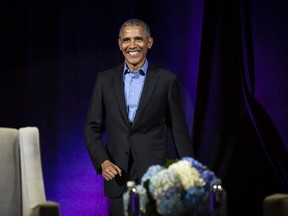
(142, 70)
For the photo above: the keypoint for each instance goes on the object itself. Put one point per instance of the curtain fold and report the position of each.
(219, 102)
(232, 132)
(271, 142)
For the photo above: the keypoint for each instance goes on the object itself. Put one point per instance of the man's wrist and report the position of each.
(104, 162)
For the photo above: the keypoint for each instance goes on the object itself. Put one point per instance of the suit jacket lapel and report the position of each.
(119, 92)
(148, 89)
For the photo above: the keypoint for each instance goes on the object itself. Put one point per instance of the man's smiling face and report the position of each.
(134, 43)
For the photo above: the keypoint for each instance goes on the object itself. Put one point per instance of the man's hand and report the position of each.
(110, 170)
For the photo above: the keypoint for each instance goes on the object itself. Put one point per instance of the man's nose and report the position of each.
(132, 43)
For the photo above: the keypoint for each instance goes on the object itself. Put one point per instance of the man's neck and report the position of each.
(135, 68)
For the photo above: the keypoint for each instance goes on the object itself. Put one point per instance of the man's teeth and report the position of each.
(133, 53)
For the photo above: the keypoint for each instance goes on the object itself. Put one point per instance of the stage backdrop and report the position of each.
(231, 58)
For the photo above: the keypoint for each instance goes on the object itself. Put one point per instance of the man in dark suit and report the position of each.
(136, 103)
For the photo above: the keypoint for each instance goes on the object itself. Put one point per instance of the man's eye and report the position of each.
(125, 39)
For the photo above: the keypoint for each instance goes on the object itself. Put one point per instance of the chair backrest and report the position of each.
(10, 176)
(21, 178)
(31, 169)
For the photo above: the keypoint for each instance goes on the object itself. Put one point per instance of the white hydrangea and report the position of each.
(188, 175)
(164, 183)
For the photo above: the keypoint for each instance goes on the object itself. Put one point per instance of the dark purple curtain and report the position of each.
(231, 58)
(265, 93)
(240, 109)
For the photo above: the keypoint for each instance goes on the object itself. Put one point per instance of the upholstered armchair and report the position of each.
(21, 180)
(275, 205)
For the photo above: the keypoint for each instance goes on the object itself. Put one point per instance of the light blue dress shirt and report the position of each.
(133, 83)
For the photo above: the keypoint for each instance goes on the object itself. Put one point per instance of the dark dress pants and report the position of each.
(116, 204)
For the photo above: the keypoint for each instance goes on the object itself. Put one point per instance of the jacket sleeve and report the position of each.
(178, 122)
(95, 128)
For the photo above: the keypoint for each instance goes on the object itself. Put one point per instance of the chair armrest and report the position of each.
(275, 204)
(47, 208)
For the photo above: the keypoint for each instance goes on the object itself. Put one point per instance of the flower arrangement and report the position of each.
(179, 188)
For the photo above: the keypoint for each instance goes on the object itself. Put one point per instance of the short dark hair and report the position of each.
(135, 22)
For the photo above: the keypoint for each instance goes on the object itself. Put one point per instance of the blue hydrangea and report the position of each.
(171, 206)
(143, 197)
(152, 171)
(164, 184)
(197, 201)
(205, 173)
(208, 177)
(193, 195)
(198, 165)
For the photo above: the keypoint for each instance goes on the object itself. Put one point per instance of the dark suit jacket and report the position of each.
(160, 108)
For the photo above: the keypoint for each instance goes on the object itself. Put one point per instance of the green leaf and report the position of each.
(169, 162)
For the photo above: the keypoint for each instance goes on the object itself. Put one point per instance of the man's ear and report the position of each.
(150, 42)
(119, 44)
